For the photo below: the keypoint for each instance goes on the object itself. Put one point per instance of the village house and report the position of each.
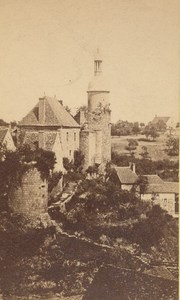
(126, 177)
(157, 191)
(6, 139)
(165, 194)
(169, 123)
(50, 127)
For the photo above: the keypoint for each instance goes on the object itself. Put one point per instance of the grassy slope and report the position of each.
(155, 148)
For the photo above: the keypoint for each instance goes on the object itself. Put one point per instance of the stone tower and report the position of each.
(96, 139)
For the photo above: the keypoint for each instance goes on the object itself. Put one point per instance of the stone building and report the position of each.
(95, 138)
(163, 193)
(49, 126)
(31, 197)
(125, 177)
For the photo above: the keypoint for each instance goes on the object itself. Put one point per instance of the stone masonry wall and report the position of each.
(31, 197)
(102, 122)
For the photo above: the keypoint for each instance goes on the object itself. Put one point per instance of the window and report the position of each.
(67, 136)
(74, 136)
(70, 152)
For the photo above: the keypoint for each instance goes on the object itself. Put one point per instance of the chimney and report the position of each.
(42, 110)
(41, 137)
(134, 167)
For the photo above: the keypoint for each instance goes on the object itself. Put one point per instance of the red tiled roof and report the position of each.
(126, 175)
(55, 115)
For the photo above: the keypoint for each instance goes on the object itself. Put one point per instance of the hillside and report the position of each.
(156, 148)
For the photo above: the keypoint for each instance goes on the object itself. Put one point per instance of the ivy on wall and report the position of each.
(13, 165)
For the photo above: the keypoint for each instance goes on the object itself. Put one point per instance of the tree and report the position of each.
(135, 128)
(3, 123)
(78, 161)
(172, 146)
(161, 126)
(82, 108)
(132, 145)
(144, 153)
(151, 131)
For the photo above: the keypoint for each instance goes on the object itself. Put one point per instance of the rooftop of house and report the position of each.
(126, 175)
(163, 188)
(54, 115)
(153, 179)
(3, 134)
(157, 119)
(116, 283)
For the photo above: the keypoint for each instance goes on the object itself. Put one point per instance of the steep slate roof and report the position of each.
(126, 175)
(165, 187)
(112, 283)
(157, 119)
(2, 135)
(55, 115)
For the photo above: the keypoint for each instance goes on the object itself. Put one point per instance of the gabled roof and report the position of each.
(153, 179)
(126, 175)
(164, 187)
(55, 115)
(3, 133)
(157, 119)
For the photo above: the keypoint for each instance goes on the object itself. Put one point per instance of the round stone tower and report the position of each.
(99, 113)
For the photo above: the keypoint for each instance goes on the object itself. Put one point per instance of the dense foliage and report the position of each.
(101, 210)
(172, 145)
(125, 128)
(151, 131)
(166, 169)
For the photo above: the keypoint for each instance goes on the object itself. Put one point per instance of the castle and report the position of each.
(49, 126)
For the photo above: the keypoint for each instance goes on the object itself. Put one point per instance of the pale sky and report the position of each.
(49, 45)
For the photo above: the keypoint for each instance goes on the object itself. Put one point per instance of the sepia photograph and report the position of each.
(89, 149)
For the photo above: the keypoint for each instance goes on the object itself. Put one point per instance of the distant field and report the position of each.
(155, 149)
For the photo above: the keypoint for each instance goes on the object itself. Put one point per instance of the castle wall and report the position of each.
(65, 146)
(95, 98)
(70, 141)
(102, 123)
(88, 147)
(31, 197)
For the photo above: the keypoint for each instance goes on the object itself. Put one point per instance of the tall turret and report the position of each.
(98, 93)
(98, 131)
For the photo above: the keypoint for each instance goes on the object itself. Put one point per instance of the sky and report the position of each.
(47, 48)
